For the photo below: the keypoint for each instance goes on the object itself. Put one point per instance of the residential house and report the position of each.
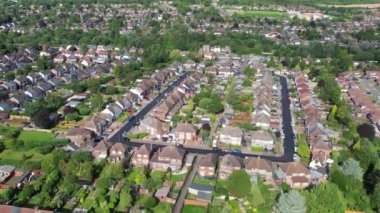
(117, 152)
(294, 174)
(262, 120)
(168, 157)
(22, 82)
(95, 124)
(123, 103)
(207, 165)
(81, 137)
(203, 192)
(6, 171)
(262, 139)
(231, 135)
(259, 167)
(185, 132)
(114, 110)
(34, 77)
(228, 164)
(141, 155)
(320, 154)
(34, 93)
(153, 126)
(45, 87)
(46, 75)
(100, 151)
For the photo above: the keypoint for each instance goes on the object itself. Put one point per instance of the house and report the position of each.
(162, 194)
(14, 209)
(185, 132)
(95, 124)
(117, 152)
(261, 120)
(141, 155)
(6, 172)
(123, 103)
(168, 157)
(4, 117)
(153, 126)
(294, 174)
(19, 99)
(100, 151)
(34, 77)
(5, 107)
(320, 154)
(231, 135)
(34, 93)
(10, 86)
(114, 110)
(56, 82)
(207, 165)
(228, 164)
(202, 191)
(262, 139)
(81, 137)
(46, 75)
(259, 167)
(22, 82)
(45, 86)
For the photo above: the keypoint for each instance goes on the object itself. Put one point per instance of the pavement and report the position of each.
(189, 179)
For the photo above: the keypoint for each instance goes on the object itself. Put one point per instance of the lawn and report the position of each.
(198, 180)
(8, 131)
(263, 13)
(257, 149)
(31, 136)
(177, 178)
(235, 206)
(194, 209)
(163, 208)
(256, 194)
(23, 159)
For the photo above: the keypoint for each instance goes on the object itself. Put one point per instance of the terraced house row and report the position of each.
(313, 114)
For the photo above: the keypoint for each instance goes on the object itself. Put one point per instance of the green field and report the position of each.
(31, 136)
(257, 197)
(163, 208)
(194, 209)
(259, 13)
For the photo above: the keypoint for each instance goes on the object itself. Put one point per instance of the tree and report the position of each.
(97, 102)
(325, 197)
(42, 119)
(366, 130)
(72, 116)
(150, 202)
(239, 184)
(9, 76)
(291, 202)
(352, 167)
(375, 197)
(249, 72)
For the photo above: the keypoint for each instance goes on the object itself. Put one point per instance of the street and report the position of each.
(117, 135)
(287, 129)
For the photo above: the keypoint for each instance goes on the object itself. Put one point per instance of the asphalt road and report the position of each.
(287, 129)
(117, 136)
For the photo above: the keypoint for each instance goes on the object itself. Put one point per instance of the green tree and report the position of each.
(239, 184)
(352, 167)
(375, 197)
(9, 76)
(97, 102)
(291, 202)
(325, 197)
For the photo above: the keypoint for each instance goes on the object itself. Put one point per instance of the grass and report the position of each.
(260, 13)
(235, 206)
(199, 180)
(29, 136)
(257, 197)
(257, 149)
(163, 207)
(194, 209)
(177, 178)
(8, 131)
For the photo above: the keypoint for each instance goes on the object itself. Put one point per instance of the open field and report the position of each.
(28, 136)
(194, 209)
(259, 13)
(374, 5)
